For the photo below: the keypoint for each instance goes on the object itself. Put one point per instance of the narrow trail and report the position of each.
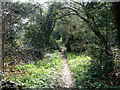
(67, 78)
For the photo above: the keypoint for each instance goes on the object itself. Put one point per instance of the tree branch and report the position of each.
(76, 13)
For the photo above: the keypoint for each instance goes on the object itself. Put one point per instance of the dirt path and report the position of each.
(67, 78)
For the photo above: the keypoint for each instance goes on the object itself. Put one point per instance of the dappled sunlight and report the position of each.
(81, 67)
(60, 44)
(43, 73)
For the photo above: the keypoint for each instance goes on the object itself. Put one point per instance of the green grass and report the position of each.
(44, 73)
(81, 68)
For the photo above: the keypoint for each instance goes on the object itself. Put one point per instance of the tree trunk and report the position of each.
(116, 15)
(0, 44)
(3, 40)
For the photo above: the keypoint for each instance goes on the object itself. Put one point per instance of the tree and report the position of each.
(97, 17)
(116, 15)
(40, 28)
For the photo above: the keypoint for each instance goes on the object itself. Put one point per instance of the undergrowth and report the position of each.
(81, 68)
(44, 73)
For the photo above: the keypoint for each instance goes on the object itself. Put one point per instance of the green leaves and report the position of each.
(45, 73)
(80, 66)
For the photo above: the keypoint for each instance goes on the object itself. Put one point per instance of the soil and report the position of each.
(67, 78)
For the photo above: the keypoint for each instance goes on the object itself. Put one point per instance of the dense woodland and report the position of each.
(35, 36)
